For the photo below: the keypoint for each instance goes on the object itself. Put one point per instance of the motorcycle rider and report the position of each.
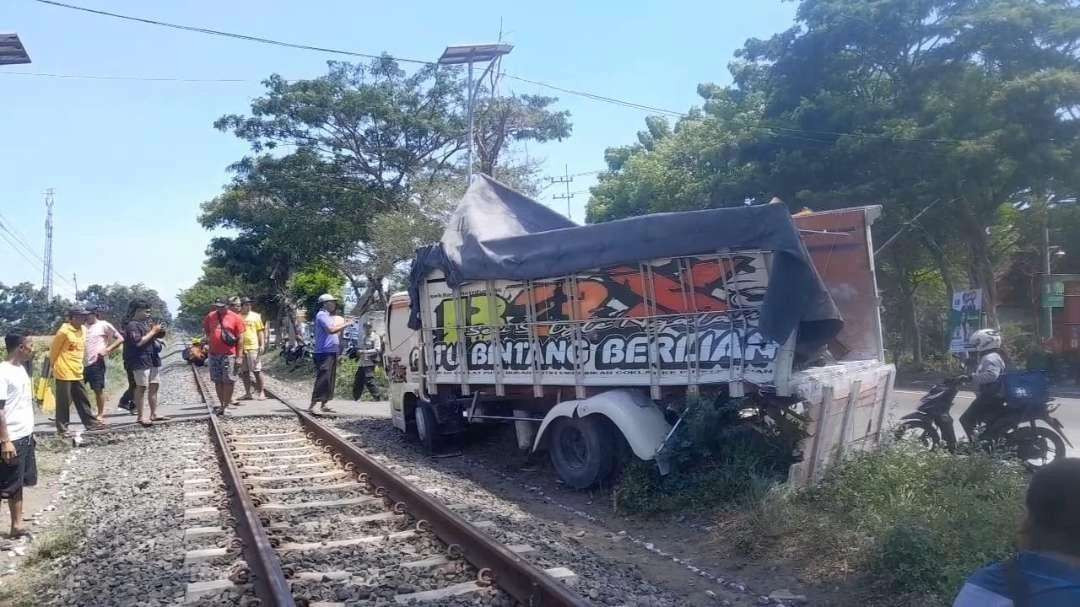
(988, 378)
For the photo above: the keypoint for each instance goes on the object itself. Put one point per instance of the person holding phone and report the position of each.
(142, 356)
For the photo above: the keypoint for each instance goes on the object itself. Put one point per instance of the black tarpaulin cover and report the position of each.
(498, 233)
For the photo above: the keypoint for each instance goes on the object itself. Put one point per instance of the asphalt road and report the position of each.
(907, 399)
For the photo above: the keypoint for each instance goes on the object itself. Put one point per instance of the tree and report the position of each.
(197, 300)
(503, 120)
(115, 298)
(26, 309)
(970, 104)
(371, 143)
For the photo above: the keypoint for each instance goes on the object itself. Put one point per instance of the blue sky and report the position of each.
(131, 161)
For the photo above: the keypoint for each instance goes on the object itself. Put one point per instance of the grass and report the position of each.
(716, 458)
(35, 572)
(274, 365)
(905, 525)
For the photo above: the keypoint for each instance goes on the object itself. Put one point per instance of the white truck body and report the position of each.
(613, 342)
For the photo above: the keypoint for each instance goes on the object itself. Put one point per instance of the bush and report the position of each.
(716, 457)
(910, 520)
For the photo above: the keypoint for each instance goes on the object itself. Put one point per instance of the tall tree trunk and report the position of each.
(982, 269)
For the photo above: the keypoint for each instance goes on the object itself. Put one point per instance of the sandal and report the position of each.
(160, 418)
(326, 409)
(146, 424)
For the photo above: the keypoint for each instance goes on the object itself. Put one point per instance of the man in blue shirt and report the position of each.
(1046, 572)
(327, 348)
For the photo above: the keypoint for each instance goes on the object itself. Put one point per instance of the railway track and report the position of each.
(319, 523)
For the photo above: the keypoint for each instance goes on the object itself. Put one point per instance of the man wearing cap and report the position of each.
(369, 354)
(224, 330)
(102, 339)
(327, 348)
(66, 356)
(254, 346)
(142, 356)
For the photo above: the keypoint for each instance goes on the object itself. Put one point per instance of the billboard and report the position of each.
(965, 318)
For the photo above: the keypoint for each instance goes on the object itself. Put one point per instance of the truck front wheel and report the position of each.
(427, 428)
(582, 450)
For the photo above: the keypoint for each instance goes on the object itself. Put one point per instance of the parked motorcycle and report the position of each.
(1016, 429)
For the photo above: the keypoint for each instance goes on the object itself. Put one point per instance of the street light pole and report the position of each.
(470, 54)
(472, 97)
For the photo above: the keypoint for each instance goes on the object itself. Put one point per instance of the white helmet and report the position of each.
(325, 297)
(985, 339)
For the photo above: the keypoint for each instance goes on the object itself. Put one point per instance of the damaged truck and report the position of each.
(590, 339)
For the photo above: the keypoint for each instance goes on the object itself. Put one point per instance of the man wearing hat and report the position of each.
(254, 346)
(225, 331)
(66, 356)
(328, 328)
(102, 339)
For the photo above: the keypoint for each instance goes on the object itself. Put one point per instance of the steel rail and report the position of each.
(271, 587)
(522, 580)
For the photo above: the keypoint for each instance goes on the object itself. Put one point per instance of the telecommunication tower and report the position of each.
(47, 278)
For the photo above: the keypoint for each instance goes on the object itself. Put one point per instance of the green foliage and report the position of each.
(971, 105)
(911, 521)
(308, 284)
(716, 457)
(25, 308)
(196, 301)
(115, 299)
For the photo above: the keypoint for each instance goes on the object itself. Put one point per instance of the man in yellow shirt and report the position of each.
(254, 346)
(66, 355)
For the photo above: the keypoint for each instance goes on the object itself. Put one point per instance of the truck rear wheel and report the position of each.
(582, 450)
(427, 428)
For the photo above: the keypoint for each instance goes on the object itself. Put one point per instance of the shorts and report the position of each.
(145, 377)
(94, 375)
(223, 369)
(21, 471)
(252, 362)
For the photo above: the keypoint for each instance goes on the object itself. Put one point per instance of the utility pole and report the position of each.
(75, 281)
(565, 179)
(46, 279)
(1047, 312)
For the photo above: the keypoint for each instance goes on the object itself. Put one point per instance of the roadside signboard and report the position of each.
(965, 318)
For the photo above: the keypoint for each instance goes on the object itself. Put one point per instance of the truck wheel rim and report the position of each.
(574, 448)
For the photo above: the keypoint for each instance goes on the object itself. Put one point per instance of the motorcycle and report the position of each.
(1015, 428)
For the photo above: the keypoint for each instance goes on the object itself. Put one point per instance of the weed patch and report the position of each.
(910, 524)
(717, 455)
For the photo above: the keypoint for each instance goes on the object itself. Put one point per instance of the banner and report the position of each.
(682, 320)
(965, 318)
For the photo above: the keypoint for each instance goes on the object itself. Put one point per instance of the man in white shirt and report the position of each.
(18, 466)
(102, 339)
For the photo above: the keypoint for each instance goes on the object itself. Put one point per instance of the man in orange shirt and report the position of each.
(66, 355)
(225, 331)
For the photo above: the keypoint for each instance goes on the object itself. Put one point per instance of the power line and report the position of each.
(204, 30)
(764, 125)
(130, 78)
